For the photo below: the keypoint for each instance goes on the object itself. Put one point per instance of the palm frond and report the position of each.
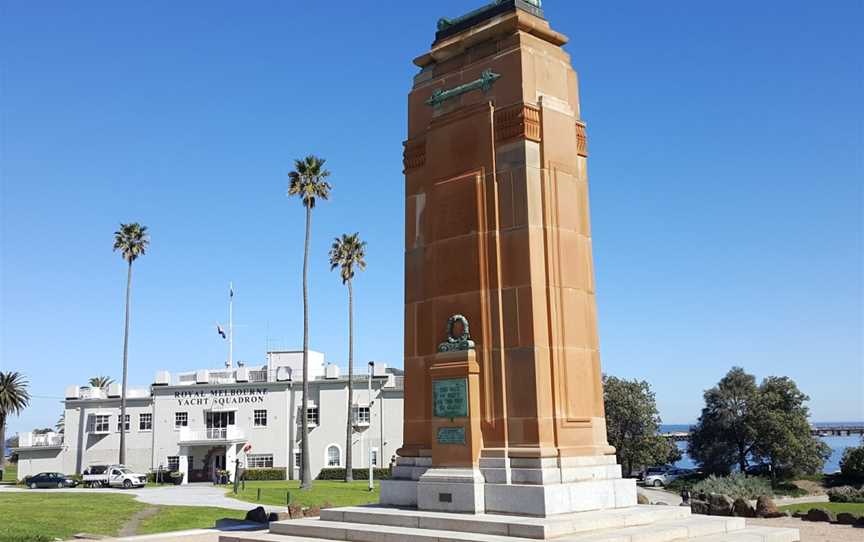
(13, 394)
(348, 253)
(132, 240)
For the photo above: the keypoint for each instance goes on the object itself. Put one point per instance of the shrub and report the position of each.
(852, 464)
(359, 474)
(846, 494)
(264, 474)
(735, 486)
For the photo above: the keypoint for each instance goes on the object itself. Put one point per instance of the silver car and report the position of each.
(660, 479)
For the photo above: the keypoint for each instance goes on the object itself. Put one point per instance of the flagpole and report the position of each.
(230, 325)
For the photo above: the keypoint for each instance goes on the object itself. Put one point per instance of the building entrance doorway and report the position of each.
(217, 464)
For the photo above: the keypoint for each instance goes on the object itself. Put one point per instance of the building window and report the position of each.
(145, 422)
(312, 416)
(361, 415)
(260, 418)
(259, 461)
(173, 463)
(101, 423)
(181, 419)
(119, 425)
(334, 456)
(374, 458)
(298, 459)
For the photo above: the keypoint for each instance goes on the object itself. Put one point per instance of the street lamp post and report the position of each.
(369, 440)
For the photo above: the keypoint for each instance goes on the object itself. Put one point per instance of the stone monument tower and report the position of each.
(505, 408)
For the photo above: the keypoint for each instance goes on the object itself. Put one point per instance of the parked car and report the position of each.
(760, 469)
(50, 480)
(113, 476)
(660, 479)
(651, 471)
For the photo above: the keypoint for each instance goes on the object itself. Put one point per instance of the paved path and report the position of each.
(188, 495)
(659, 495)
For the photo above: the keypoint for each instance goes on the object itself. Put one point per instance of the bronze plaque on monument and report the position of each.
(451, 435)
(450, 398)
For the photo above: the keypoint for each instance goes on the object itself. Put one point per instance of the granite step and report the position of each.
(504, 525)
(754, 534)
(664, 531)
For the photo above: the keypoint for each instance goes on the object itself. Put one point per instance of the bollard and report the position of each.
(258, 498)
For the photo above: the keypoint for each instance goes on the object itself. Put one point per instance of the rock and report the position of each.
(699, 507)
(845, 518)
(742, 509)
(642, 499)
(295, 511)
(720, 505)
(312, 512)
(860, 522)
(818, 514)
(279, 516)
(258, 515)
(765, 508)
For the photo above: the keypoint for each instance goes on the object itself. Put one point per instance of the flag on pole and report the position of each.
(221, 331)
(231, 291)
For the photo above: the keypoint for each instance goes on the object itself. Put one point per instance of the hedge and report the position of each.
(846, 494)
(264, 474)
(359, 474)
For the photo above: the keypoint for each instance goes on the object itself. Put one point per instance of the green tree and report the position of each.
(347, 253)
(632, 424)
(131, 240)
(101, 382)
(13, 399)
(780, 419)
(60, 426)
(852, 463)
(724, 434)
(308, 182)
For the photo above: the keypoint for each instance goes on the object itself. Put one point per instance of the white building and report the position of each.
(200, 422)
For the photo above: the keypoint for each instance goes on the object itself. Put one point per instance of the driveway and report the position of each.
(188, 495)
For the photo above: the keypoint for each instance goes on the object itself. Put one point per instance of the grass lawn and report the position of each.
(42, 517)
(331, 492)
(10, 474)
(836, 507)
(180, 518)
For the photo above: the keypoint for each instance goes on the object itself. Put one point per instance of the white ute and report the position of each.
(113, 476)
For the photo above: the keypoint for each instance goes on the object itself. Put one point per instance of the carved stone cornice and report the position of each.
(414, 155)
(521, 121)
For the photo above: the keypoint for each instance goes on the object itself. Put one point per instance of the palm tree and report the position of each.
(132, 241)
(101, 382)
(308, 182)
(347, 252)
(13, 399)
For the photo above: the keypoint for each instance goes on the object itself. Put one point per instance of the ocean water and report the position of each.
(838, 446)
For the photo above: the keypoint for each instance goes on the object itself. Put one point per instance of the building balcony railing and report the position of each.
(211, 434)
(33, 440)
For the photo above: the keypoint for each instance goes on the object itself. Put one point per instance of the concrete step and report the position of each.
(664, 531)
(754, 534)
(503, 525)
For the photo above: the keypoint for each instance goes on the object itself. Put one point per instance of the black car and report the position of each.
(50, 479)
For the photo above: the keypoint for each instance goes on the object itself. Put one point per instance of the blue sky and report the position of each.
(725, 169)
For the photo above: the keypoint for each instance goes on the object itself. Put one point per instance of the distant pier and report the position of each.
(839, 430)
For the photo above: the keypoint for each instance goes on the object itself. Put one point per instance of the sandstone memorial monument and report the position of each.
(504, 428)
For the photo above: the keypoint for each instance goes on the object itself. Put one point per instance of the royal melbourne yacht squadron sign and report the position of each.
(220, 397)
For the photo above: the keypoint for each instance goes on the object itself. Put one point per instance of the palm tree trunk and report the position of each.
(2, 441)
(125, 369)
(305, 472)
(349, 474)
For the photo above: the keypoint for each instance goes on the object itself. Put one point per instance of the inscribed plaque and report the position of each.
(451, 435)
(450, 398)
